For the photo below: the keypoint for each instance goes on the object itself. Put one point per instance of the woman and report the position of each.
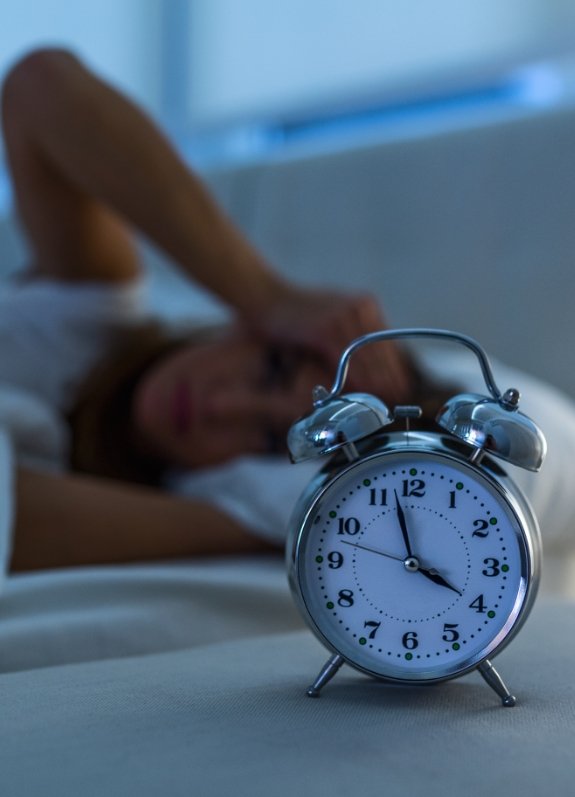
(88, 168)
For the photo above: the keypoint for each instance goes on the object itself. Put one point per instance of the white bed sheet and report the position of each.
(85, 614)
(231, 718)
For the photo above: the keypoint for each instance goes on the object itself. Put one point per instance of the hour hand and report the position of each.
(403, 525)
(437, 578)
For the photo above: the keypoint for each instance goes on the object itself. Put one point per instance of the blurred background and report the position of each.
(245, 79)
(418, 149)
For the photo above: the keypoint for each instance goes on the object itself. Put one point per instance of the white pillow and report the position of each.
(261, 492)
(551, 491)
(32, 434)
(6, 503)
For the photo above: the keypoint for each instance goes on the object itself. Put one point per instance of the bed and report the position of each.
(190, 677)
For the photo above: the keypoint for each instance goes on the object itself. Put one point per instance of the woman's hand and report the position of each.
(326, 322)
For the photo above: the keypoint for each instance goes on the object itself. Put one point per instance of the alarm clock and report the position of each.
(412, 554)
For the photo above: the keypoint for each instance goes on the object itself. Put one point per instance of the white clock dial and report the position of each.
(413, 565)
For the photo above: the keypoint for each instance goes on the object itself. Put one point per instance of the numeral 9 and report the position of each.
(335, 559)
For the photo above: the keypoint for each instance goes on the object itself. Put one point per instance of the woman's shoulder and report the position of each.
(58, 299)
(52, 333)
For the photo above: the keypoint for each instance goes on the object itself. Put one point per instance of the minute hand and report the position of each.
(403, 525)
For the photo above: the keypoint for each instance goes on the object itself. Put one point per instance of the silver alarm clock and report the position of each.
(412, 555)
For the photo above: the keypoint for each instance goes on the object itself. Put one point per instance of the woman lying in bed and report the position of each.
(88, 168)
(130, 442)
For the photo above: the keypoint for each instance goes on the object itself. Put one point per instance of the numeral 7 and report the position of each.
(373, 625)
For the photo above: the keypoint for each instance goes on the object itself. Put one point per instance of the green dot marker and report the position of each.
(362, 640)
(412, 472)
(505, 568)
(367, 482)
(491, 614)
(333, 514)
(329, 605)
(409, 656)
(493, 521)
(319, 559)
(456, 646)
(459, 486)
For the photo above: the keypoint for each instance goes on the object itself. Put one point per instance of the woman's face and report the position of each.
(207, 403)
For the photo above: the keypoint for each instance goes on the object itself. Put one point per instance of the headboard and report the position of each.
(471, 229)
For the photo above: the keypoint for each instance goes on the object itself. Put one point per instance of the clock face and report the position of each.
(413, 565)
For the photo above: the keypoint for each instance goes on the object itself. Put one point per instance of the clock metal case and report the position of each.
(381, 446)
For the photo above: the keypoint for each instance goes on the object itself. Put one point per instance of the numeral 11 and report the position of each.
(378, 497)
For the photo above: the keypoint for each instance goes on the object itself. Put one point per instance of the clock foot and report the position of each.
(327, 672)
(493, 679)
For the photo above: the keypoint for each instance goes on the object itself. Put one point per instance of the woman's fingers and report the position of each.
(327, 322)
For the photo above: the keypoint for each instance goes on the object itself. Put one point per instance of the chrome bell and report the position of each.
(335, 423)
(495, 426)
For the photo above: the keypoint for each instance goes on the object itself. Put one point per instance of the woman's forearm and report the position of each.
(69, 520)
(91, 141)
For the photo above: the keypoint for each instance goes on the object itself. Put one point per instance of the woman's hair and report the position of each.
(103, 442)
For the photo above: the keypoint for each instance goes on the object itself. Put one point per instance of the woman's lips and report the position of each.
(182, 408)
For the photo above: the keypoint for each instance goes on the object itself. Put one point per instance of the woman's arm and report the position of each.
(88, 167)
(66, 521)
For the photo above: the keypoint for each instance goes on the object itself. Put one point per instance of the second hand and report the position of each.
(430, 573)
(374, 550)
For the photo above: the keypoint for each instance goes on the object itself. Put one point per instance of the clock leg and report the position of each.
(493, 679)
(326, 674)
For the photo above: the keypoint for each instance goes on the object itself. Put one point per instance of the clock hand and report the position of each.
(403, 525)
(437, 578)
(373, 550)
(430, 573)
(415, 567)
